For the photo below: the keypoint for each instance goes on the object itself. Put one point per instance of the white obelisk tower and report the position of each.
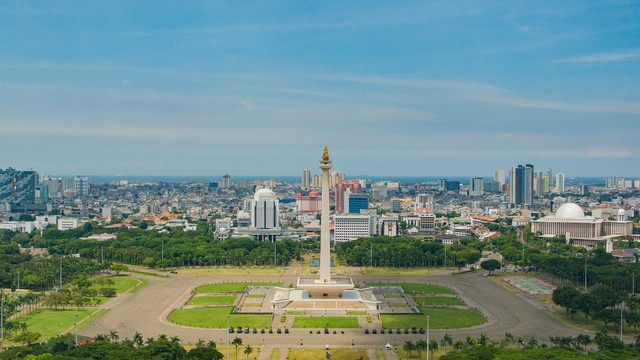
(325, 231)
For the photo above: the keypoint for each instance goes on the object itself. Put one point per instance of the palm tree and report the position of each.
(459, 345)
(211, 344)
(248, 350)
(508, 339)
(175, 339)
(163, 337)
(520, 341)
(137, 339)
(237, 342)
(446, 340)
(483, 340)
(470, 340)
(408, 347)
(199, 344)
(421, 345)
(150, 340)
(583, 340)
(113, 335)
(533, 343)
(433, 346)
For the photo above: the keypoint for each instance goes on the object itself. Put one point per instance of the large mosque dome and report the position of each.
(570, 211)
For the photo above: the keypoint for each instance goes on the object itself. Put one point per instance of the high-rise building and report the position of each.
(548, 172)
(225, 183)
(560, 183)
(499, 177)
(81, 185)
(18, 187)
(521, 185)
(306, 179)
(315, 181)
(342, 187)
(423, 201)
(265, 213)
(442, 184)
(353, 203)
(476, 186)
(538, 183)
(351, 227)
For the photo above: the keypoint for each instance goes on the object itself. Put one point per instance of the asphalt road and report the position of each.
(145, 311)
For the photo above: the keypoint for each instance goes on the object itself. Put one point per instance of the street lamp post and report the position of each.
(228, 337)
(427, 337)
(76, 329)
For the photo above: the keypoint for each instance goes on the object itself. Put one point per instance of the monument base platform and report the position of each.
(325, 289)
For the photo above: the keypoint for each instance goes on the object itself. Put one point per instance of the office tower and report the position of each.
(549, 173)
(264, 210)
(521, 185)
(423, 201)
(499, 177)
(538, 183)
(442, 184)
(476, 186)
(353, 203)
(306, 179)
(351, 227)
(226, 181)
(343, 187)
(315, 181)
(81, 184)
(560, 183)
(546, 184)
(18, 187)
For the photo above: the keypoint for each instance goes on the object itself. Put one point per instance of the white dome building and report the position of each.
(570, 221)
(265, 212)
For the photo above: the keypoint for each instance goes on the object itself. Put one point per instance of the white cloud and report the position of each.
(600, 58)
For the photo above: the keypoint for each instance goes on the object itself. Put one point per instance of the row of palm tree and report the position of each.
(459, 344)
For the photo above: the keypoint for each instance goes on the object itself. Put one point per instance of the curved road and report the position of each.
(145, 312)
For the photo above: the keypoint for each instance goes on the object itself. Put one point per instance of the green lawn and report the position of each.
(437, 301)
(322, 321)
(356, 312)
(255, 296)
(230, 287)
(49, 322)
(216, 318)
(121, 283)
(336, 354)
(212, 300)
(439, 318)
(418, 288)
(92, 318)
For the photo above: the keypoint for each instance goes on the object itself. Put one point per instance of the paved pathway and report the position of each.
(146, 311)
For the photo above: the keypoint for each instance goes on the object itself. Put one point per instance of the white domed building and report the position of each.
(570, 221)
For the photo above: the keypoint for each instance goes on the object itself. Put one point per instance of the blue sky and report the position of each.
(257, 88)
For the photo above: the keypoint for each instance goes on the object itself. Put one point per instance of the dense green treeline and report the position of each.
(406, 252)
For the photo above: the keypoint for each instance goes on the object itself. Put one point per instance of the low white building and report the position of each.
(67, 223)
(351, 227)
(18, 226)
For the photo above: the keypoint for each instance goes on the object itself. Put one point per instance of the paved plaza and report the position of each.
(146, 312)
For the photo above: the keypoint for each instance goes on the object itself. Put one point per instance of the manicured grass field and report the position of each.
(212, 300)
(437, 301)
(418, 288)
(336, 354)
(275, 354)
(216, 318)
(251, 305)
(121, 283)
(92, 318)
(230, 287)
(439, 318)
(294, 312)
(255, 296)
(322, 321)
(49, 322)
(379, 271)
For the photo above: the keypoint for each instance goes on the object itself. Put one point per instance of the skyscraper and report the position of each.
(521, 185)
(343, 187)
(306, 179)
(476, 186)
(315, 181)
(226, 181)
(560, 183)
(264, 210)
(549, 173)
(499, 177)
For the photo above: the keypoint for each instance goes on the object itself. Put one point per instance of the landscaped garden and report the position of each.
(216, 318)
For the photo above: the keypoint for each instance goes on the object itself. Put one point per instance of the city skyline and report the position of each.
(402, 89)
